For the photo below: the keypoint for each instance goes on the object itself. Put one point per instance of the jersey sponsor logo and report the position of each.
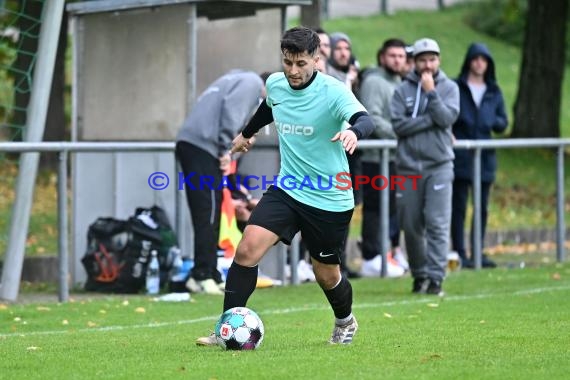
(292, 129)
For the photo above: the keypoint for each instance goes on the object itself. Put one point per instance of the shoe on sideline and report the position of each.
(372, 268)
(208, 286)
(399, 256)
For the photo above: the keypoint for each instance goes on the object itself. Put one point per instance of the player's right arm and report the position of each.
(262, 117)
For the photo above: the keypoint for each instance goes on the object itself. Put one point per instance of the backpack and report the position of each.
(118, 251)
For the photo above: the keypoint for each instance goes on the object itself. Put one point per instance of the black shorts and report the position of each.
(323, 232)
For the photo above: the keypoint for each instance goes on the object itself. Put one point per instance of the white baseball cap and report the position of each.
(425, 45)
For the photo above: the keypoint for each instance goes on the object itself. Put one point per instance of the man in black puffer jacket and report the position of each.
(482, 111)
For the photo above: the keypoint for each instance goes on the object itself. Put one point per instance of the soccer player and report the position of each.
(309, 110)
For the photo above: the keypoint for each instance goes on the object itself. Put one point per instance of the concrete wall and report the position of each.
(132, 83)
(133, 67)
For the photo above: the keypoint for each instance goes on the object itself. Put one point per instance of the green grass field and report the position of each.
(498, 324)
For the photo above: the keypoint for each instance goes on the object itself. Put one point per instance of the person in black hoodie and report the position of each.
(482, 111)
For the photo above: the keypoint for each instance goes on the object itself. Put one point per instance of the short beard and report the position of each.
(392, 72)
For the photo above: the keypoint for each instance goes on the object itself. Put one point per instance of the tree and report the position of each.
(311, 14)
(537, 107)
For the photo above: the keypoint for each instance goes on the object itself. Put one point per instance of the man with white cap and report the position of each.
(423, 109)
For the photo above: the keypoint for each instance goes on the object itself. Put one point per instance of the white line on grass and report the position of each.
(418, 300)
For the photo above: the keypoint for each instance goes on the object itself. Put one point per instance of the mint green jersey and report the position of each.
(306, 120)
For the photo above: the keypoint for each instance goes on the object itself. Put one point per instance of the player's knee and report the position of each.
(246, 254)
(327, 279)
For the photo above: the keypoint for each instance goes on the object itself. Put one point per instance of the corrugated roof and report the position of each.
(207, 8)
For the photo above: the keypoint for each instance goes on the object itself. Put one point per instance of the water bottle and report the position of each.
(177, 273)
(153, 274)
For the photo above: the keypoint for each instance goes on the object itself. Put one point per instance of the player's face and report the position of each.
(299, 68)
(394, 58)
(427, 62)
(478, 65)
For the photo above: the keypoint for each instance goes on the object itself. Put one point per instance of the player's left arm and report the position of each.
(238, 104)
(361, 127)
(243, 141)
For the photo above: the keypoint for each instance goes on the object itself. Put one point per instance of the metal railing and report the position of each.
(477, 146)
(64, 148)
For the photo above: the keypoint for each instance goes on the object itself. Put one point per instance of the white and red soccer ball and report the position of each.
(239, 328)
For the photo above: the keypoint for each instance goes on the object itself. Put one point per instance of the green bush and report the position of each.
(505, 20)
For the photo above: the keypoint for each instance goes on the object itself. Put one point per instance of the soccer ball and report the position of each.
(239, 328)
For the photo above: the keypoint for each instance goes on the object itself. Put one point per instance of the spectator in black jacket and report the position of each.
(482, 111)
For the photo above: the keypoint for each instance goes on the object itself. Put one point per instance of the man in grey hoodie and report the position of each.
(423, 109)
(202, 148)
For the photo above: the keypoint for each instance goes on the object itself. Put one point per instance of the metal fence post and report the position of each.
(63, 233)
(282, 260)
(560, 222)
(294, 259)
(384, 211)
(28, 167)
(384, 7)
(325, 10)
(476, 248)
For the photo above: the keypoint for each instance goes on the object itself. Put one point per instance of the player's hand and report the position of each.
(348, 140)
(241, 144)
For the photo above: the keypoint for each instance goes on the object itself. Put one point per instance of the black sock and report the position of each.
(240, 283)
(340, 298)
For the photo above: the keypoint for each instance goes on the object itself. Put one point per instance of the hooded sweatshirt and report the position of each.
(375, 94)
(221, 111)
(333, 68)
(477, 123)
(422, 121)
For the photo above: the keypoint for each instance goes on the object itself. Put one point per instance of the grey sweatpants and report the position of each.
(425, 217)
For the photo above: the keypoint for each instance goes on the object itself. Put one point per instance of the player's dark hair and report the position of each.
(389, 43)
(299, 39)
